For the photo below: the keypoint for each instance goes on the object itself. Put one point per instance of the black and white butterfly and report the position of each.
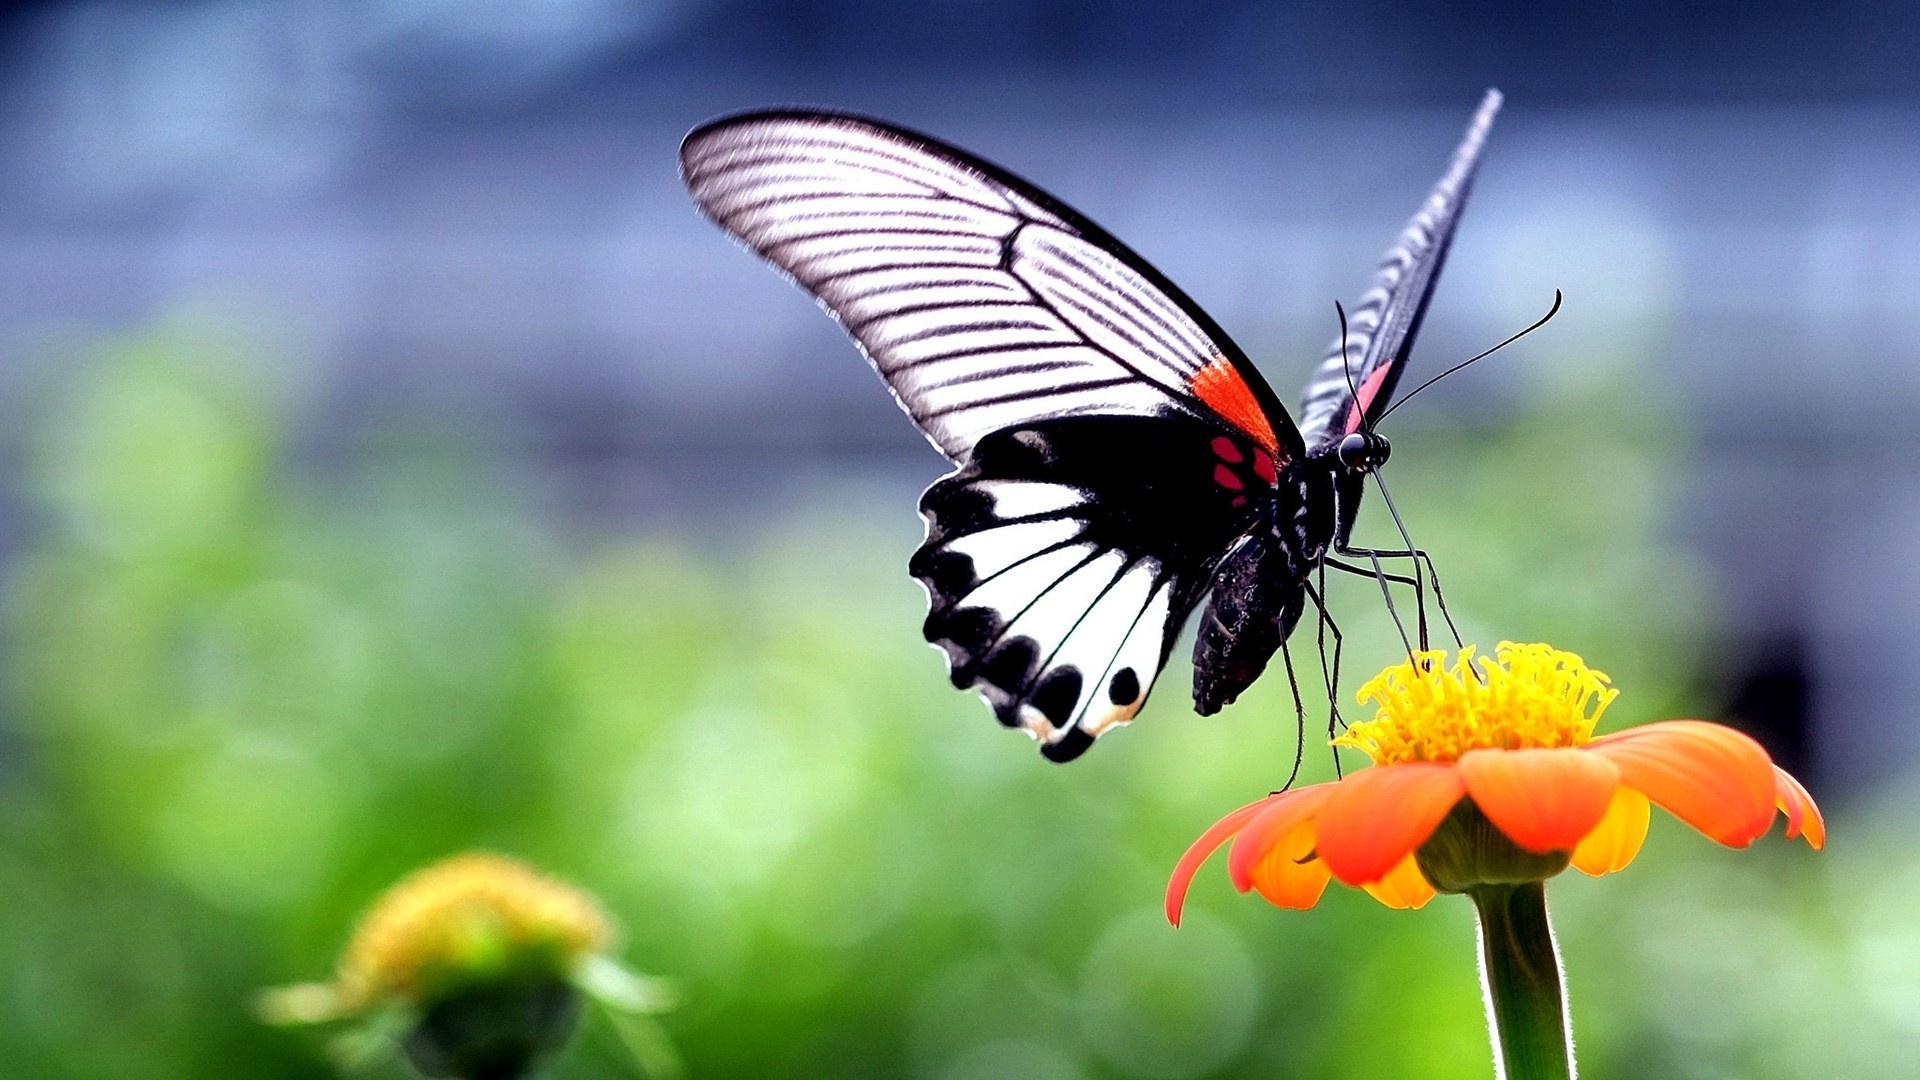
(1118, 456)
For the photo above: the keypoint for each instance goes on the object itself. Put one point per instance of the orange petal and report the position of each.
(1405, 887)
(1788, 802)
(1197, 853)
(1278, 819)
(1802, 814)
(1376, 817)
(1289, 876)
(1709, 776)
(1543, 799)
(1617, 839)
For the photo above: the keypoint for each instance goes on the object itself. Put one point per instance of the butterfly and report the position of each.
(1117, 457)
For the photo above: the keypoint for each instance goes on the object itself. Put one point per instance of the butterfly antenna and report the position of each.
(1346, 360)
(1346, 368)
(1381, 483)
(1542, 321)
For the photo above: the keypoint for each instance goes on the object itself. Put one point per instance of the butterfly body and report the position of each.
(1259, 589)
(1117, 457)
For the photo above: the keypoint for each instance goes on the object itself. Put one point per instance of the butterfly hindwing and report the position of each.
(983, 302)
(1381, 329)
(1063, 558)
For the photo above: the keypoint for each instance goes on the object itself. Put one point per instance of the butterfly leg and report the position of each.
(1397, 579)
(1299, 719)
(1419, 556)
(1380, 575)
(1414, 583)
(1330, 674)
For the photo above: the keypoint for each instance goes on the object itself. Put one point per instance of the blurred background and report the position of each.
(392, 462)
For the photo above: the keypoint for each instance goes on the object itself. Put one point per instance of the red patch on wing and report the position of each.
(1227, 478)
(1222, 389)
(1368, 388)
(1264, 467)
(1224, 449)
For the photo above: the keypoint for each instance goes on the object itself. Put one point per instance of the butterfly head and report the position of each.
(1364, 451)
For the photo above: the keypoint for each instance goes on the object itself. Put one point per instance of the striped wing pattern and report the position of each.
(1380, 331)
(980, 300)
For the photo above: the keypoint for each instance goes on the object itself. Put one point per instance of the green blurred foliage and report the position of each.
(246, 693)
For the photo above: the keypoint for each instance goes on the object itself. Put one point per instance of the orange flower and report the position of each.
(1487, 773)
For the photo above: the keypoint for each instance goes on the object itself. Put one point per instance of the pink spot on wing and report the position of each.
(1363, 400)
(1238, 501)
(1224, 449)
(1263, 467)
(1227, 478)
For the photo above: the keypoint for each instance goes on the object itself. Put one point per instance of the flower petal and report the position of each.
(1543, 799)
(1617, 839)
(1289, 875)
(1376, 817)
(1404, 887)
(1197, 853)
(1709, 776)
(1278, 819)
(1802, 814)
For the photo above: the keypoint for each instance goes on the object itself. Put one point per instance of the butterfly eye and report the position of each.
(1363, 451)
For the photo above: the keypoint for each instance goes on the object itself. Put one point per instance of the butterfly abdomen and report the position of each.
(1257, 600)
(1259, 590)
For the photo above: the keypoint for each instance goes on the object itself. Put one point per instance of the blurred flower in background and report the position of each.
(479, 964)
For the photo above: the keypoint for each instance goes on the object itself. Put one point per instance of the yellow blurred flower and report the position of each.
(476, 966)
(473, 917)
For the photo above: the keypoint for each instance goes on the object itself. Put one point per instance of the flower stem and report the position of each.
(1520, 973)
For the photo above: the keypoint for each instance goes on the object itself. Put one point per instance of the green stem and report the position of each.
(1520, 972)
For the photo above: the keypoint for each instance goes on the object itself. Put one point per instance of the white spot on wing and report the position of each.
(1140, 649)
(1058, 615)
(994, 549)
(1018, 499)
(1011, 592)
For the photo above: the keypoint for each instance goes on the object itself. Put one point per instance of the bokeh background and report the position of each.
(392, 462)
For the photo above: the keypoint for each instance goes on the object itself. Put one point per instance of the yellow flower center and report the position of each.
(1526, 696)
(470, 918)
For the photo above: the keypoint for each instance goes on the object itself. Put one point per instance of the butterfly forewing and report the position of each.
(982, 301)
(1381, 329)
